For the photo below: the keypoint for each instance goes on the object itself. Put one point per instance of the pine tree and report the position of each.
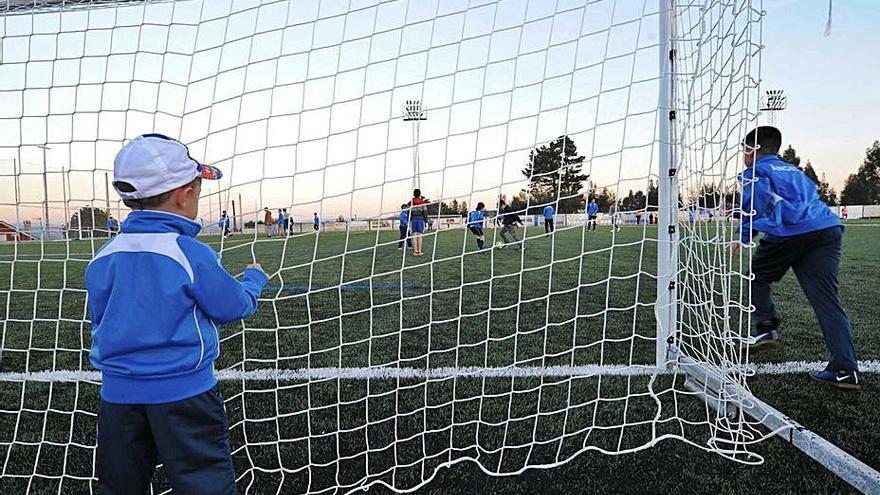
(653, 195)
(863, 187)
(555, 172)
(604, 198)
(633, 201)
(790, 155)
(826, 192)
(518, 203)
(89, 222)
(810, 172)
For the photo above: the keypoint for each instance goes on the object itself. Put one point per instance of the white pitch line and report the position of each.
(387, 373)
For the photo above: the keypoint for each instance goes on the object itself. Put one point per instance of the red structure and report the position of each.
(12, 233)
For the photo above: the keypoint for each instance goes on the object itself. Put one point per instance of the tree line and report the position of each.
(555, 171)
(863, 187)
(860, 188)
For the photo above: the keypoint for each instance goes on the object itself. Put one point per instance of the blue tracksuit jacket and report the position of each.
(476, 219)
(156, 296)
(781, 201)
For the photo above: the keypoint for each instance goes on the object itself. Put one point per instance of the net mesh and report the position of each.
(365, 365)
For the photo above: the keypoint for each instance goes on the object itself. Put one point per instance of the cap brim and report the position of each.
(210, 173)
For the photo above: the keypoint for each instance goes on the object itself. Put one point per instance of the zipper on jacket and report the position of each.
(201, 340)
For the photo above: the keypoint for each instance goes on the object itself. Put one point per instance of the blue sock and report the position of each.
(479, 244)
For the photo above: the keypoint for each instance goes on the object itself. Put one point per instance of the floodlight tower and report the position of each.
(414, 111)
(774, 101)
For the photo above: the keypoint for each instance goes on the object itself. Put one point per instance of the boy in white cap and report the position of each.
(156, 297)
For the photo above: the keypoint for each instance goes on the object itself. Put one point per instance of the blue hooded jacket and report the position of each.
(782, 200)
(476, 219)
(156, 296)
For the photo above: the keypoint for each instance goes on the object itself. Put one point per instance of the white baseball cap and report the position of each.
(154, 164)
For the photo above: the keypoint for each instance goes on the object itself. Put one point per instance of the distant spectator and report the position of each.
(549, 214)
(268, 222)
(614, 213)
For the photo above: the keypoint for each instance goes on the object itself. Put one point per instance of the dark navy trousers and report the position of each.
(404, 235)
(815, 259)
(189, 437)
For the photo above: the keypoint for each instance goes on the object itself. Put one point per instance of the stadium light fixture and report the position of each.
(774, 101)
(414, 111)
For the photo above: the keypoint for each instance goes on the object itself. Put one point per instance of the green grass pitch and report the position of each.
(543, 306)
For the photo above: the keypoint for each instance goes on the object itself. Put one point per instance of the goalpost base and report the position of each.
(709, 384)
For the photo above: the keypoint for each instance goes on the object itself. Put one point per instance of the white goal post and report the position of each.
(366, 366)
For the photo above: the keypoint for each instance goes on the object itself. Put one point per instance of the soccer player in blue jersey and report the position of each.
(549, 213)
(592, 214)
(281, 219)
(404, 228)
(800, 232)
(418, 217)
(156, 297)
(316, 221)
(476, 221)
(112, 226)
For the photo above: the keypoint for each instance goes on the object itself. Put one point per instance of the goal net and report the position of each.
(366, 365)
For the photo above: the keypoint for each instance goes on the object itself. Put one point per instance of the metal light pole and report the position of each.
(235, 221)
(65, 231)
(210, 205)
(219, 203)
(107, 191)
(17, 182)
(774, 101)
(414, 111)
(45, 194)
